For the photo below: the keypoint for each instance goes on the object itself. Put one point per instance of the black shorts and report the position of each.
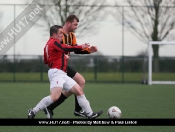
(71, 72)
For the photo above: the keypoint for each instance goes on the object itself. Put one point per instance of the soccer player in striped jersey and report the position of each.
(69, 38)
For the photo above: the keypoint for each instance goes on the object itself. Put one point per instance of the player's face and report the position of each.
(72, 26)
(59, 34)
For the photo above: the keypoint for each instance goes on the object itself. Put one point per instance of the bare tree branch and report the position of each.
(168, 31)
(156, 17)
(140, 21)
(152, 20)
(84, 10)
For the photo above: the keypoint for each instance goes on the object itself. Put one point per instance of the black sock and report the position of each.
(77, 106)
(57, 102)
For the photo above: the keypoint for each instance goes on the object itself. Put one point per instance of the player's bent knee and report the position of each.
(55, 97)
(82, 82)
(79, 79)
(77, 90)
(55, 93)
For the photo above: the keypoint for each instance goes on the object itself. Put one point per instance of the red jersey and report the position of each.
(54, 53)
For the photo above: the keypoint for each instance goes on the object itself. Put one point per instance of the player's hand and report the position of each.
(86, 45)
(93, 49)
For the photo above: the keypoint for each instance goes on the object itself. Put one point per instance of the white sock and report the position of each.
(46, 101)
(84, 104)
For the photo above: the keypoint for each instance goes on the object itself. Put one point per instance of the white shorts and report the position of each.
(59, 78)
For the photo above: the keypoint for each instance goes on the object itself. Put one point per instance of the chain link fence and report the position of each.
(122, 56)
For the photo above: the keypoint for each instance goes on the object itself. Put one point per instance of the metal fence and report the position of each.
(121, 57)
(93, 68)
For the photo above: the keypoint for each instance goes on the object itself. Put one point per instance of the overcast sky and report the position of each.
(108, 39)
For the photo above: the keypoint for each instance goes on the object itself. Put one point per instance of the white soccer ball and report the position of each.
(114, 112)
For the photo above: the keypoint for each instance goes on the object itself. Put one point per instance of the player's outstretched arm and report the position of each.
(68, 48)
(88, 50)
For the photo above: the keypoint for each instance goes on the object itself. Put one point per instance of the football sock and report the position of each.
(77, 106)
(85, 105)
(42, 104)
(57, 102)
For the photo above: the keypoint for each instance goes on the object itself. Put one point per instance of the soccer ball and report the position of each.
(114, 112)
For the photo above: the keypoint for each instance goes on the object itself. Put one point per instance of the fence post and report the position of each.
(95, 70)
(14, 56)
(14, 69)
(41, 69)
(123, 20)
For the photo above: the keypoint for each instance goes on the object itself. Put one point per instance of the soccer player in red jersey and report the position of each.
(55, 57)
(69, 38)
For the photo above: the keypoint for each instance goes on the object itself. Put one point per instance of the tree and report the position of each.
(149, 20)
(89, 13)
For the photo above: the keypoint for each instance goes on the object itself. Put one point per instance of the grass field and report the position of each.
(135, 101)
